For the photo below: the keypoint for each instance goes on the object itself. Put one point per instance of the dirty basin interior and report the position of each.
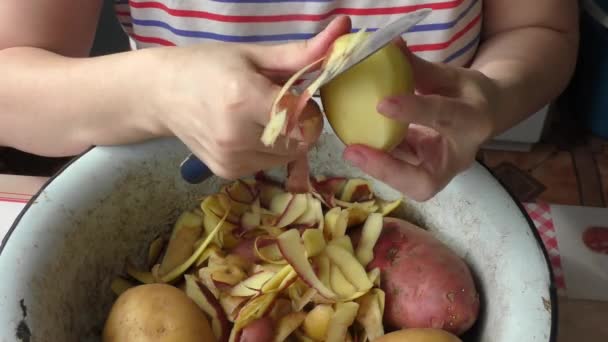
(69, 242)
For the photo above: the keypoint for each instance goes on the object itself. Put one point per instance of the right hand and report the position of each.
(217, 98)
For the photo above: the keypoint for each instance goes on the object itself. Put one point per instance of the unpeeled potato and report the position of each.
(350, 100)
(427, 284)
(419, 335)
(156, 313)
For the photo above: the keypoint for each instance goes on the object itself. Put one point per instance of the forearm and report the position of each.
(55, 106)
(531, 67)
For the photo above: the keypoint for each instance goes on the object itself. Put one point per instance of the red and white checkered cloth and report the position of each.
(540, 213)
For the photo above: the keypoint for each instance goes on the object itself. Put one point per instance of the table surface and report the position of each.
(579, 320)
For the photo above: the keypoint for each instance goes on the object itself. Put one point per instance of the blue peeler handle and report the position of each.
(193, 170)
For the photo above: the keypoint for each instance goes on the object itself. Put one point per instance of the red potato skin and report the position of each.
(426, 284)
(245, 249)
(259, 330)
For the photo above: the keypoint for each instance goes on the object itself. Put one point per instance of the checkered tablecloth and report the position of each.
(540, 213)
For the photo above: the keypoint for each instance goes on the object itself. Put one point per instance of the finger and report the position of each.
(429, 147)
(430, 77)
(244, 162)
(443, 114)
(241, 164)
(406, 153)
(202, 153)
(259, 99)
(414, 182)
(294, 56)
(258, 161)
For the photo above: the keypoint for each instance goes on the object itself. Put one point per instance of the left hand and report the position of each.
(450, 116)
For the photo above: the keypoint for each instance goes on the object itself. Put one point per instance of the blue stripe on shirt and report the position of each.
(444, 26)
(223, 37)
(230, 38)
(462, 50)
(286, 36)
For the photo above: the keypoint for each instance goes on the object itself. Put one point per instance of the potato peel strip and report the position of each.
(278, 118)
(294, 252)
(270, 252)
(288, 324)
(182, 268)
(254, 309)
(369, 236)
(141, 276)
(265, 251)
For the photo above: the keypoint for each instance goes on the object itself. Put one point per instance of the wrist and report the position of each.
(490, 104)
(114, 105)
(146, 93)
(509, 93)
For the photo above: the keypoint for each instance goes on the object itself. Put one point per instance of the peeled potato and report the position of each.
(350, 100)
(156, 313)
(419, 335)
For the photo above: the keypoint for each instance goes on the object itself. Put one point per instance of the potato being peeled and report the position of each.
(419, 335)
(350, 100)
(156, 313)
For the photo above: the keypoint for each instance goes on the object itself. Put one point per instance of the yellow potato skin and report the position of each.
(419, 335)
(350, 100)
(156, 313)
(317, 321)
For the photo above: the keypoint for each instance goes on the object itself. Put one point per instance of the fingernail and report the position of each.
(392, 100)
(355, 157)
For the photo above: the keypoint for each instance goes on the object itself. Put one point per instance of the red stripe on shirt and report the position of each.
(13, 200)
(152, 40)
(294, 17)
(15, 193)
(440, 46)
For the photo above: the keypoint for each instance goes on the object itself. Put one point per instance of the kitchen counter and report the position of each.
(582, 320)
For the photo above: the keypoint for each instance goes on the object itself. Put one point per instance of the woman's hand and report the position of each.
(217, 98)
(450, 116)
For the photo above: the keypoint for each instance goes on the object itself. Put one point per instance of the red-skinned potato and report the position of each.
(427, 285)
(261, 329)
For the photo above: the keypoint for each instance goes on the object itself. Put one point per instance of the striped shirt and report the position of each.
(450, 34)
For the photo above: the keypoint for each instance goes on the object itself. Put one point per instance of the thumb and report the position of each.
(291, 57)
(429, 77)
